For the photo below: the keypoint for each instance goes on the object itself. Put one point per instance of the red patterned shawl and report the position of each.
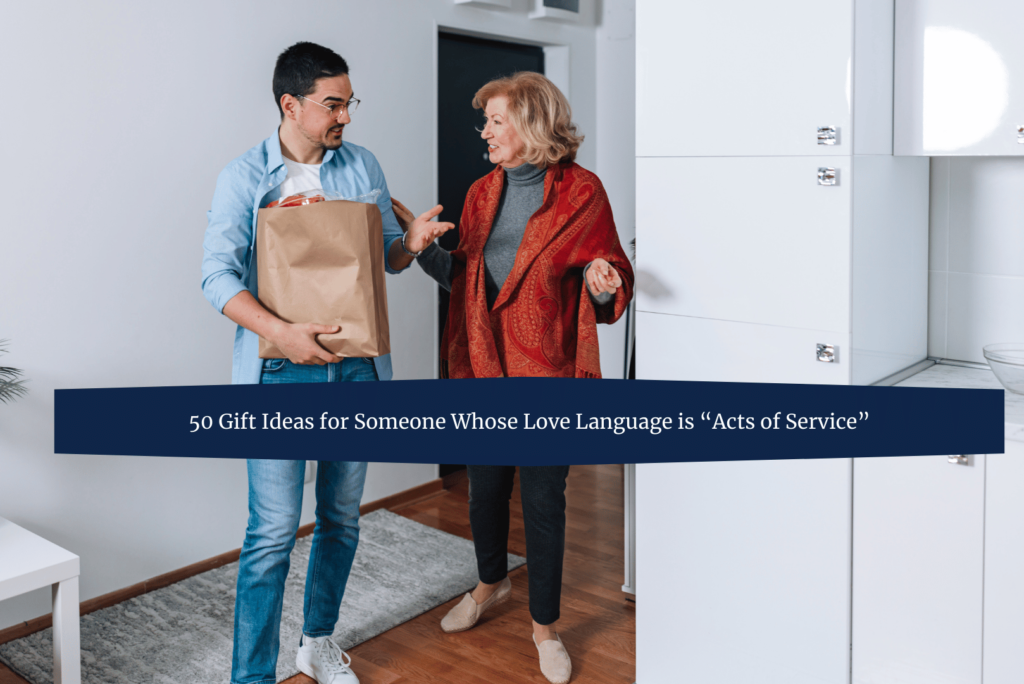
(543, 324)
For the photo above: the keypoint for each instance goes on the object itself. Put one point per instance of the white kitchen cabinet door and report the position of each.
(748, 78)
(743, 572)
(1004, 566)
(685, 348)
(959, 78)
(918, 550)
(742, 77)
(739, 77)
(753, 240)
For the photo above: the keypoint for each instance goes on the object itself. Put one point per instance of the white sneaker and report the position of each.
(324, 661)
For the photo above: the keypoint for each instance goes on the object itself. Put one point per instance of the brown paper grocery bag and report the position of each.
(324, 263)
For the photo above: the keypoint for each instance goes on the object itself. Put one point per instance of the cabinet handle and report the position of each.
(828, 176)
(1020, 135)
(962, 459)
(828, 135)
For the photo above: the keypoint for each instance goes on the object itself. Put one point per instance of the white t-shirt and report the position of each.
(300, 178)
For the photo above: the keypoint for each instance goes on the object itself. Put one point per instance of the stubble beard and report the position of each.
(334, 145)
(323, 143)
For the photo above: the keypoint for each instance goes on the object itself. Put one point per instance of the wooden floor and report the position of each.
(597, 624)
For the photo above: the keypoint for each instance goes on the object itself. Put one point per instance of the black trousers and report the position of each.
(542, 489)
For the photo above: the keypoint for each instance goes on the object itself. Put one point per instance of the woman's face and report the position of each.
(503, 143)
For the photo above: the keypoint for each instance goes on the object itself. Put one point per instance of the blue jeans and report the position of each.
(275, 503)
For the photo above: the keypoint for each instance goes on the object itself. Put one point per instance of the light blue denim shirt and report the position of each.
(253, 181)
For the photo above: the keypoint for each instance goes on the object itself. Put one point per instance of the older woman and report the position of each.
(538, 265)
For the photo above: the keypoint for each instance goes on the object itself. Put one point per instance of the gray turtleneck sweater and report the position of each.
(521, 197)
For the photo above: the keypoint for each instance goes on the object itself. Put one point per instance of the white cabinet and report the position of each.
(688, 348)
(758, 254)
(748, 257)
(746, 221)
(1004, 566)
(938, 562)
(744, 574)
(959, 78)
(749, 239)
(918, 552)
(748, 78)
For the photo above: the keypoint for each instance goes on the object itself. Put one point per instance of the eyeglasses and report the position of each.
(336, 110)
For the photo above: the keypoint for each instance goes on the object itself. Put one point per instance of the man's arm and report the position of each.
(393, 253)
(297, 341)
(420, 233)
(225, 250)
(396, 259)
(228, 234)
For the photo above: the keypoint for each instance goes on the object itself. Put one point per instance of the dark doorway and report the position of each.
(464, 64)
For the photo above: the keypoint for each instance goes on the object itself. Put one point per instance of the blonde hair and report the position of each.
(540, 114)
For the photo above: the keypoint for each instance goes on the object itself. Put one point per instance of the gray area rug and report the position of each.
(181, 634)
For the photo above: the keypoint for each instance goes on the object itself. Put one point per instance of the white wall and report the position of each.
(616, 146)
(119, 116)
(976, 273)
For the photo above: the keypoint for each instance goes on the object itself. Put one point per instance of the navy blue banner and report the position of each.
(528, 421)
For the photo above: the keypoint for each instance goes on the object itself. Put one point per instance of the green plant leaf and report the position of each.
(9, 373)
(11, 390)
(12, 385)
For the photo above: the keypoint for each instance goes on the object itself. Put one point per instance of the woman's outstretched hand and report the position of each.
(420, 230)
(601, 277)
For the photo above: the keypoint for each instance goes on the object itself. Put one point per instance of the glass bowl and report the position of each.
(1007, 361)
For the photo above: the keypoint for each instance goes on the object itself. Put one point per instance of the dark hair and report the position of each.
(299, 67)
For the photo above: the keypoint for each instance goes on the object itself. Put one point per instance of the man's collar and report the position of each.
(275, 159)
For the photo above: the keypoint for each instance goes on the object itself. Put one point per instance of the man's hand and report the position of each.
(402, 214)
(601, 277)
(298, 342)
(419, 231)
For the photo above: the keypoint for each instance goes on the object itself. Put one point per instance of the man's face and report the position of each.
(319, 126)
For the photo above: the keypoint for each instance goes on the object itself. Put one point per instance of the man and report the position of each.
(315, 98)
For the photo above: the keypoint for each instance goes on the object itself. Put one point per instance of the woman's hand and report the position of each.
(602, 277)
(420, 231)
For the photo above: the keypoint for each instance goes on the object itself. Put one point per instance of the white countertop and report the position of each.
(941, 375)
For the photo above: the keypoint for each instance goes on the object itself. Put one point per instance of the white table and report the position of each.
(28, 562)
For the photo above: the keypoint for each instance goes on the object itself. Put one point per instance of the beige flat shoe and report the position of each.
(554, 661)
(467, 612)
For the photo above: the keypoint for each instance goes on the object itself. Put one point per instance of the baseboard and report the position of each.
(403, 498)
(393, 502)
(452, 479)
